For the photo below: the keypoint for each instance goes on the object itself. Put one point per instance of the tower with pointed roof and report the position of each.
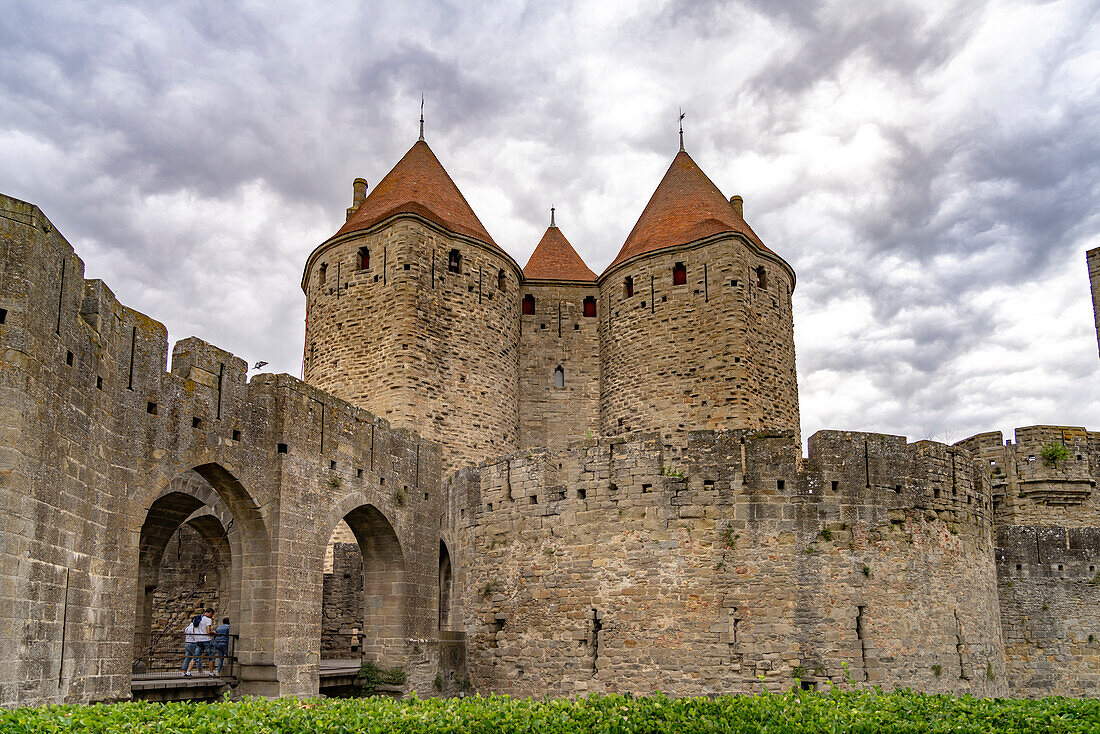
(412, 313)
(697, 330)
(559, 346)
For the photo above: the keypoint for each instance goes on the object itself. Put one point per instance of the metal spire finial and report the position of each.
(552, 217)
(681, 128)
(422, 117)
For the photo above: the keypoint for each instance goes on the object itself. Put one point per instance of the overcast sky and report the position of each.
(930, 170)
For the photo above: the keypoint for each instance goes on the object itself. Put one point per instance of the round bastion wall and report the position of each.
(421, 327)
(715, 351)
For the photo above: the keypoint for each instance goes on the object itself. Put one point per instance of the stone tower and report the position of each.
(412, 312)
(696, 330)
(560, 346)
(1093, 257)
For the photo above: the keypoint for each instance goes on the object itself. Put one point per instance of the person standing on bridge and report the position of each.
(221, 643)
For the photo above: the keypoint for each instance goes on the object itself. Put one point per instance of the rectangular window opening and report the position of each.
(646, 488)
(69, 358)
(582, 494)
(281, 448)
(708, 484)
(236, 435)
(533, 499)
(332, 465)
(98, 383)
(196, 422)
(151, 408)
(358, 473)
(780, 484)
(834, 485)
(3, 315)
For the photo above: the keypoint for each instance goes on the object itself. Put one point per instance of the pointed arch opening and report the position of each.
(559, 376)
(679, 274)
(363, 598)
(528, 305)
(446, 587)
(364, 258)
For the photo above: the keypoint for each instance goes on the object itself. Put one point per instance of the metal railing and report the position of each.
(164, 656)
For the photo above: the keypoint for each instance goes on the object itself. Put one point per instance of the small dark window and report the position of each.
(582, 494)
(559, 377)
(628, 286)
(1019, 567)
(151, 408)
(679, 274)
(69, 358)
(281, 448)
(196, 422)
(364, 258)
(733, 282)
(236, 435)
(358, 473)
(502, 281)
(98, 383)
(3, 315)
(332, 465)
(323, 274)
(533, 499)
(528, 305)
(835, 485)
(780, 484)
(761, 277)
(590, 306)
(408, 266)
(454, 262)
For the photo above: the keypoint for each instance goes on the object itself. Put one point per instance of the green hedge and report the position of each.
(795, 712)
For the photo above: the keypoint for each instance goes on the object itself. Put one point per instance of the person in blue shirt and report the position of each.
(221, 642)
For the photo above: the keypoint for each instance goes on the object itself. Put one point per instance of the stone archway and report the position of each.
(378, 602)
(211, 510)
(446, 587)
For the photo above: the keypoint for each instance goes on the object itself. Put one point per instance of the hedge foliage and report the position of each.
(802, 712)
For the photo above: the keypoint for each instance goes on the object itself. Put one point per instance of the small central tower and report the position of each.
(412, 312)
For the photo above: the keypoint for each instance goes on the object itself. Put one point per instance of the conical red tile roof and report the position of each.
(418, 184)
(555, 259)
(686, 206)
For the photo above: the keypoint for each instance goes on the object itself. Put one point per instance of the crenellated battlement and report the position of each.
(872, 476)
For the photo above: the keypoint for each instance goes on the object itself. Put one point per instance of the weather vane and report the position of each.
(681, 128)
(552, 217)
(421, 116)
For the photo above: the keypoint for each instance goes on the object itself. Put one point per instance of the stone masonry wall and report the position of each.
(614, 566)
(103, 453)
(429, 350)
(714, 353)
(1047, 515)
(559, 334)
(342, 604)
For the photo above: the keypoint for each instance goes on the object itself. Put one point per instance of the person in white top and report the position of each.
(198, 642)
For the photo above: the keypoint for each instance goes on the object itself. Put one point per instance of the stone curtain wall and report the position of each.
(342, 604)
(559, 334)
(430, 350)
(1050, 608)
(93, 430)
(715, 352)
(1048, 557)
(603, 569)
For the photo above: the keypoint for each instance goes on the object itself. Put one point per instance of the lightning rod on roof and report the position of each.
(681, 128)
(422, 117)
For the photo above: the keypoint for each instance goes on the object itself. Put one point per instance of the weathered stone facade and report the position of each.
(647, 521)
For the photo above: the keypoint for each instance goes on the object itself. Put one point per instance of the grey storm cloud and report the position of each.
(931, 170)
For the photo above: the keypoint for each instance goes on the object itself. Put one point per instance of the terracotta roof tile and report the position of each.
(419, 184)
(555, 259)
(685, 207)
